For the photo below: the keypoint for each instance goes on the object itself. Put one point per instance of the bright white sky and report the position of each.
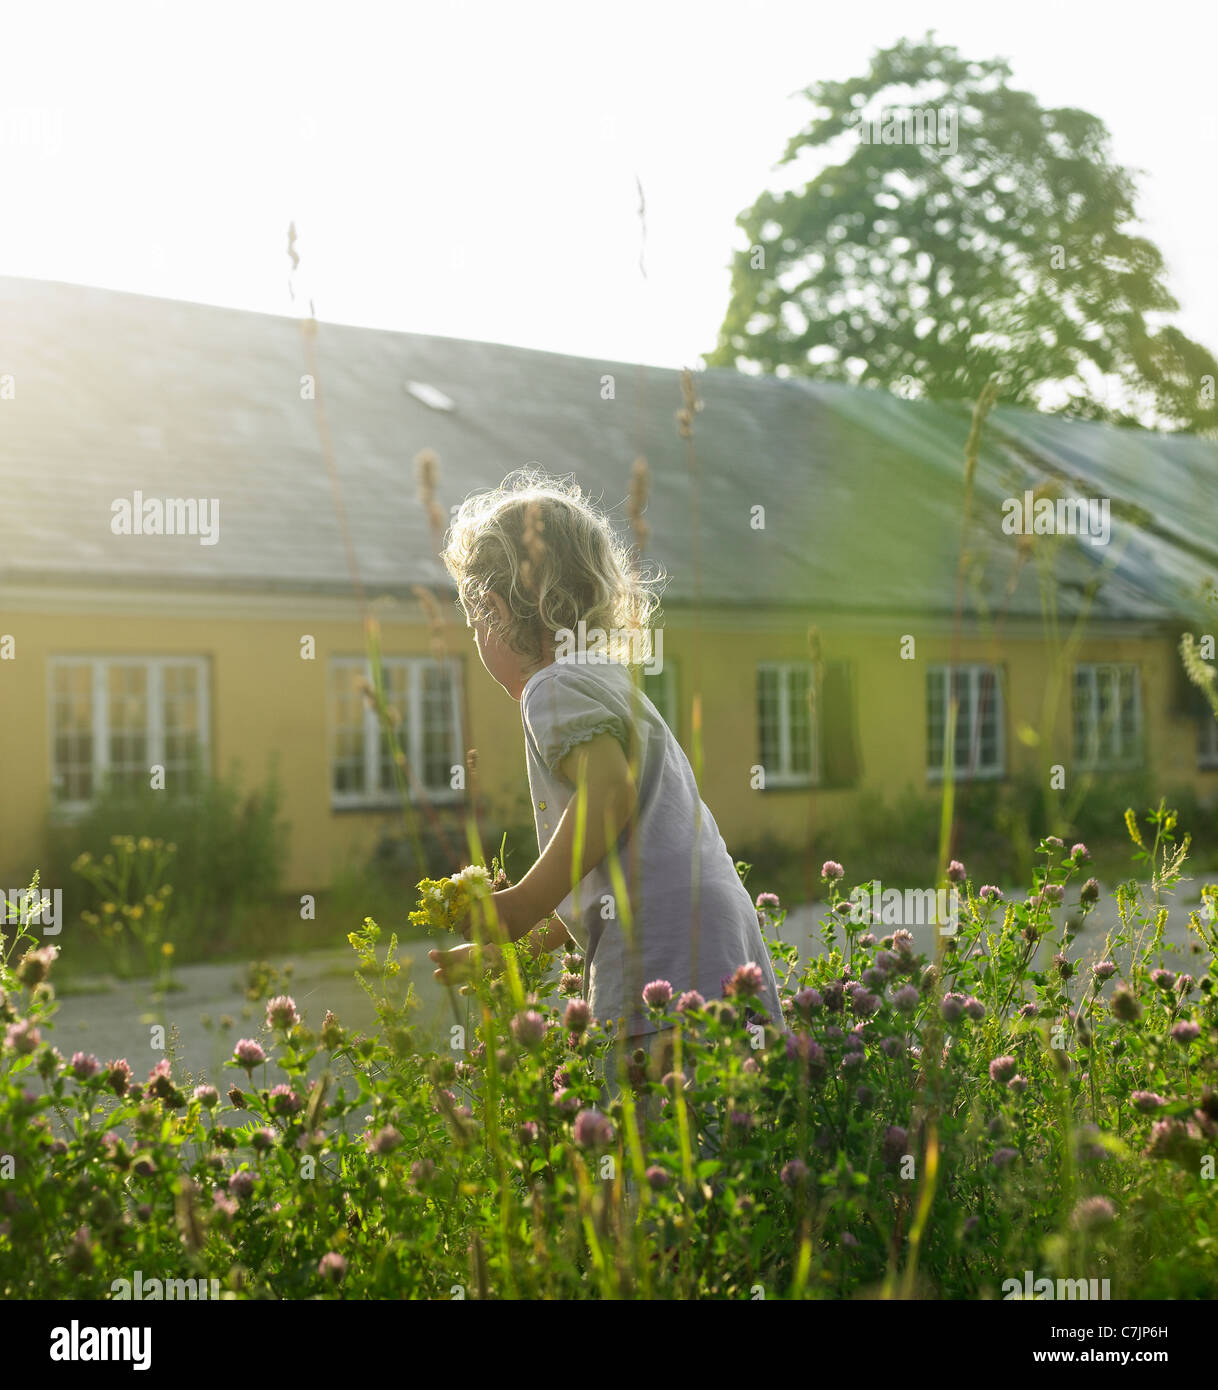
(467, 167)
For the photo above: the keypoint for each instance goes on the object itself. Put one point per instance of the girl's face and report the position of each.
(506, 666)
(498, 658)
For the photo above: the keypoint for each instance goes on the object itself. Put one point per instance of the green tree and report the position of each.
(927, 269)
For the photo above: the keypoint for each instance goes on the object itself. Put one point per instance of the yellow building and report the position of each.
(201, 507)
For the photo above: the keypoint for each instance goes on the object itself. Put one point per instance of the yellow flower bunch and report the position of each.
(444, 902)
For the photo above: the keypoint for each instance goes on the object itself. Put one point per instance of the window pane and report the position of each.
(987, 721)
(347, 753)
(127, 725)
(1107, 732)
(962, 750)
(72, 732)
(936, 718)
(799, 719)
(438, 732)
(1129, 713)
(180, 718)
(767, 719)
(397, 703)
(1083, 732)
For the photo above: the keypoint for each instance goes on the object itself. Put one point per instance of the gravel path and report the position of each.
(117, 1021)
(203, 1019)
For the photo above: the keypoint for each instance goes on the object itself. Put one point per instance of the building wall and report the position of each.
(267, 702)
(891, 713)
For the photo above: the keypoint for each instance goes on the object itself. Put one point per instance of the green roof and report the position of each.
(862, 491)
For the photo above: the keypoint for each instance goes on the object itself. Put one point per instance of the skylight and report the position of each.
(430, 396)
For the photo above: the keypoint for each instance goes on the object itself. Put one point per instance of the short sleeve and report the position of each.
(569, 708)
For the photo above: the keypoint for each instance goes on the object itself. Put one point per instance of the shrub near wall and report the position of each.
(230, 847)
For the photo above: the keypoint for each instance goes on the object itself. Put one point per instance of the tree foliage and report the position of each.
(927, 269)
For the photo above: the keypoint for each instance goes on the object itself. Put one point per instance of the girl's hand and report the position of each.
(508, 928)
(460, 965)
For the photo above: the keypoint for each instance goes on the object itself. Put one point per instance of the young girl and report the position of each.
(531, 560)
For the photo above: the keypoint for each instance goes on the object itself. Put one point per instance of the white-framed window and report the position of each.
(662, 690)
(1107, 714)
(786, 732)
(1207, 741)
(423, 696)
(979, 745)
(114, 718)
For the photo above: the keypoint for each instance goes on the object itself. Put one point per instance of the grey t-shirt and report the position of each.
(692, 920)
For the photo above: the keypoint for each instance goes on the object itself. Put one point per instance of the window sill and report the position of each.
(66, 813)
(375, 805)
(995, 774)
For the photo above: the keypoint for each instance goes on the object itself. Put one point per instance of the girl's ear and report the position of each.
(500, 606)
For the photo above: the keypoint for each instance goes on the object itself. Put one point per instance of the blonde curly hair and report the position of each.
(538, 543)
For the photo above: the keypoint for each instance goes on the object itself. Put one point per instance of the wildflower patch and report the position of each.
(531, 1151)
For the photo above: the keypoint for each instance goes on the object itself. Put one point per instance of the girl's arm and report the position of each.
(549, 936)
(458, 965)
(612, 796)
